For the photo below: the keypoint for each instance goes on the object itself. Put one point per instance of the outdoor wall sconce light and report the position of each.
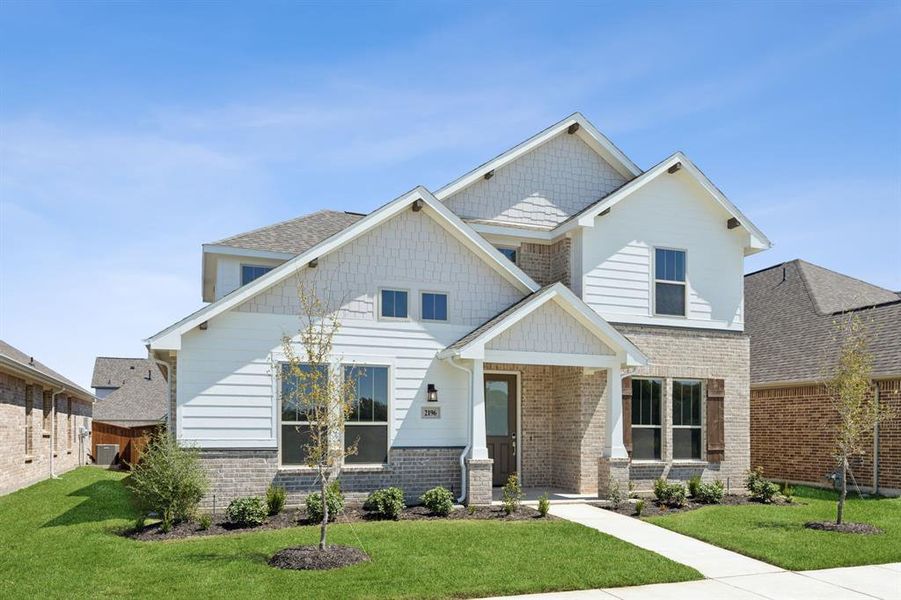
(431, 392)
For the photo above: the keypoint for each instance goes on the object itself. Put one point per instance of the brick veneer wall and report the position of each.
(236, 473)
(18, 470)
(547, 263)
(793, 429)
(696, 354)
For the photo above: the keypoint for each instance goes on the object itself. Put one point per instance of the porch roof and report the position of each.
(588, 341)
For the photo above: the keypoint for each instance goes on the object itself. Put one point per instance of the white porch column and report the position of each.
(613, 440)
(479, 448)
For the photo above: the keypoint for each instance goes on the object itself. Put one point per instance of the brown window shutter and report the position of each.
(627, 414)
(716, 439)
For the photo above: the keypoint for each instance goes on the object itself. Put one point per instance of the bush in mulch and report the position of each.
(858, 528)
(309, 558)
(653, 508)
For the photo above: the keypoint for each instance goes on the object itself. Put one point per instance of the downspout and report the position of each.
(462, 497)
(53, 396)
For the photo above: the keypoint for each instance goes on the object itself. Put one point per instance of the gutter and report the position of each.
(462, 498)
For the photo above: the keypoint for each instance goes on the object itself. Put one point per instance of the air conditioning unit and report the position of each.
(107, 455)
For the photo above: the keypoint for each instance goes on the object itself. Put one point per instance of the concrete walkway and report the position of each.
(729, 575)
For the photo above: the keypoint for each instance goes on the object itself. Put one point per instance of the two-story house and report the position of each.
(556, 312)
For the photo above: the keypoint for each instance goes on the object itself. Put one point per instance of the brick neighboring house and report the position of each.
(791, 311)
(556, 312)
(132, 404)
(43, 416)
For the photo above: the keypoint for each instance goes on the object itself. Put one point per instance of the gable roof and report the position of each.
(474, 342)
(586, 217)
(596, 140)
(142, 397)
(165, 339)
(113, 372)
(13, 358)
(794, 340)
(293, 236)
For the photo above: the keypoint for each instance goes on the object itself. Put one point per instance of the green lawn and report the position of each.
(776, 534)
(58, 539)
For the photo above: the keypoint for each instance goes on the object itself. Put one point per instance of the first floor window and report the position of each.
(251, 272)
(646, 439)
(669, 282)
(686, 419)
(367, 424)
(295, 390)
(434, 306)
(394, 304)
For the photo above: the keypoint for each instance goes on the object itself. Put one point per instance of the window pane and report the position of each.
(686, 402)
(679, 275)
(371, 440)
(379, 393)
(294, 400)
(387, 303)
(646, 443)
(293, 442)
(687, 443)
(441, 307)
(510, 253)
(670, 299)
(434, 306)
(669, 265)
(251, 272)
(646, 395)
(660, 264)
(497, 394)
(428, 306)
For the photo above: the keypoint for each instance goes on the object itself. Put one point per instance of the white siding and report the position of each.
(542, 188)
(671, 212)
(228, 271)
(226, 381)
(549, 329)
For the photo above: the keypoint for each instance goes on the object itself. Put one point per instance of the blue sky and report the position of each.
(132, 133)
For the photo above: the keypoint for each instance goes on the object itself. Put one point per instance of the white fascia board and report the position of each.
(587, 219)
(246, 252)
(515, 357)
(587, 132)
(516, 233)
(164, 340)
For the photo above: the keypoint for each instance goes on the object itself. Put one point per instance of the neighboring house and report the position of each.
(553, 312)
(133, 402)
(46, 418)
(792, 310)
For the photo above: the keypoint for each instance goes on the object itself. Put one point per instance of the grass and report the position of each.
(58, 539)
(776, 534)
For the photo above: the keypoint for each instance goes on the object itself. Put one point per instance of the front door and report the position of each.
(500, 424)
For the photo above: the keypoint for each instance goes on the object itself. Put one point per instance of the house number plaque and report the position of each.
(431, 412)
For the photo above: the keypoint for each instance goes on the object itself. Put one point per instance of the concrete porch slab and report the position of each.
(555, 495)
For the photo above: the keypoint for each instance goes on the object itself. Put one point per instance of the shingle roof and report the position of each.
(141, 395)
(295, 235)
(475, 333)
(791, 321)
(18, 356)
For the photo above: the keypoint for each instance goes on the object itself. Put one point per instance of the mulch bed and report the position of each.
(306, 558)
(351, 514)
(652, 508)
(858, 528)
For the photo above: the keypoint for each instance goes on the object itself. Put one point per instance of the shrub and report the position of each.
(471, 509)
(386, 504)
(205, 522)
(544, 504)
(639, 506)
(512, 494)
(333, 497)
(275, 499)
(710, 493)
(670, 494)
(168, 480)
(787, 491)
(760, 488)
(614, 495)
(246, 512)
(438, 500)
(694, 486)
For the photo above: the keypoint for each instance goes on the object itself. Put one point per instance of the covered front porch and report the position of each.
(545, 398)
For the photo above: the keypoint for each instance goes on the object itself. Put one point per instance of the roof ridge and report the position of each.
(801, 261)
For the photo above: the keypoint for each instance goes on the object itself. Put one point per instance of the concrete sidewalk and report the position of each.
(729, 575)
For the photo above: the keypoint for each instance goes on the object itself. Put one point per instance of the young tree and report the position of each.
(313, 383)
(850, 389)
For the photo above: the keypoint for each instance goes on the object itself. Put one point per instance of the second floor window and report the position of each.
(510, 253)
(669, 282)
(251, 272)
(393, 304)
(434, 306)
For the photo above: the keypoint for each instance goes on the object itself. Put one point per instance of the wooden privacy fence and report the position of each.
(131, 440)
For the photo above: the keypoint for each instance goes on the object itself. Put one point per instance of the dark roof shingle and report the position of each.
(142, 392)
(294, 236)
(791, 320)
(17, 355)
